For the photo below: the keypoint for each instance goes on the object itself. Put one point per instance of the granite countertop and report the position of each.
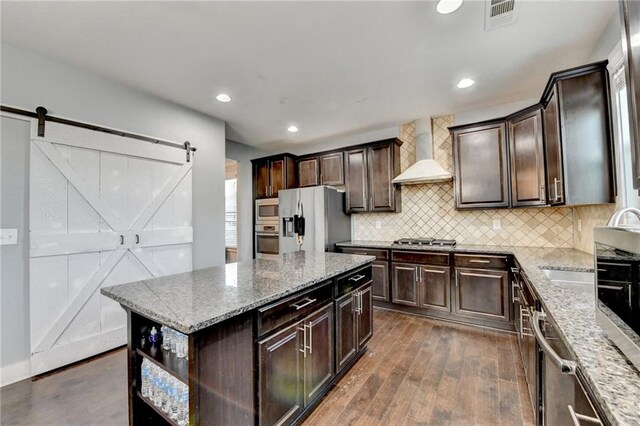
(614, 383)
(194, 300)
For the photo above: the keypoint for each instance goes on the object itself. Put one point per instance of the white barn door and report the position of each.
(104, 210)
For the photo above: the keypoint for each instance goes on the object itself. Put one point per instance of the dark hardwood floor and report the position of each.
(416, 371)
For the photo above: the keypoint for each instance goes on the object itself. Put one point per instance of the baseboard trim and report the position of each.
(15, 372)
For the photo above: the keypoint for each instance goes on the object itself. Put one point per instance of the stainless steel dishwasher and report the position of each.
(564, 400)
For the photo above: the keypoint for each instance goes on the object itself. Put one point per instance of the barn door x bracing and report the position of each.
(104, 210)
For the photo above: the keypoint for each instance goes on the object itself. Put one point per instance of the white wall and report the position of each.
(243, 154)
(29, 80)
(494, 111)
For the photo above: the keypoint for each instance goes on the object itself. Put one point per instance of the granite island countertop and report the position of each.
(191, 301)
(614, 383)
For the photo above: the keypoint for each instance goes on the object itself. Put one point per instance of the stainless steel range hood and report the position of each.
(425, 169)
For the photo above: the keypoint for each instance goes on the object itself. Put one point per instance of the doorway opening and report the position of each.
(231, 211)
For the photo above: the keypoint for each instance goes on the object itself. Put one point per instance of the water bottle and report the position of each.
(157, 395)
(174, 341)
(166, 337)
(181, 346)
(166, 390)
(144, 388)
(174, 401)
(183, 411)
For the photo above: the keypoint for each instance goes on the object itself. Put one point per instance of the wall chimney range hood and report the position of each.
(425, 169)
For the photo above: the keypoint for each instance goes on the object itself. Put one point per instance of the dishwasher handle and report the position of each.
(565, 366)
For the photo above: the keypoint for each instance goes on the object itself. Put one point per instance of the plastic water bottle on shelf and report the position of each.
(181, 346)
(157, 395)
(174, 341)
(145, 378)
(183, 410)
(166, 337)
(174, 401)
(166, 401)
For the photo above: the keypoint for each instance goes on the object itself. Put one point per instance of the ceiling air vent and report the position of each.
(499, 13)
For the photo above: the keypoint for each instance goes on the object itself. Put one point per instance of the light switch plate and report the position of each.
(378, 224)
(497, 224)
(8, 237)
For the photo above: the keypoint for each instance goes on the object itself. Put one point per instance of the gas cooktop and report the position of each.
(425, 242)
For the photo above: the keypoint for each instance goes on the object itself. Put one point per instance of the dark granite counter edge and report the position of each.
(219, 318)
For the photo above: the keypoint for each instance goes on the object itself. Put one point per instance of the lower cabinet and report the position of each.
(380, 270)
(405, 284)
(482, 293)
(354, 323)
(424, 286)
(295, 366)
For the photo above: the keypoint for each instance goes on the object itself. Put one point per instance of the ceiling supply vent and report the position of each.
(499, 13)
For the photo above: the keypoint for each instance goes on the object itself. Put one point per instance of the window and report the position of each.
(230, 213)
(627, 196)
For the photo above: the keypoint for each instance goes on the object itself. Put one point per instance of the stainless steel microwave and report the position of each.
(267, 211)
(617, 261)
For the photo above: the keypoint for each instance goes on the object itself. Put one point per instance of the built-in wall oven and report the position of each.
(617, 258)
(267, 211)
(267, 241)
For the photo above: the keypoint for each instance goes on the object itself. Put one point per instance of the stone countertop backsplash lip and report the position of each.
(192, 301)
(614, 383)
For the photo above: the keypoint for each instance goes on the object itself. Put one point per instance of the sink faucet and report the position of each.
(617, 216)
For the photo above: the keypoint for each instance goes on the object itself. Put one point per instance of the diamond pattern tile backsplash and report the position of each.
(428, 210)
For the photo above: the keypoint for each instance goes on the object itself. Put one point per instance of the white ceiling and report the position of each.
(331, 68)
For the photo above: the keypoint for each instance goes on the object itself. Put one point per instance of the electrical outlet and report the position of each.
(579, 225)
(378, 224)
(8, 237)
(497, 224)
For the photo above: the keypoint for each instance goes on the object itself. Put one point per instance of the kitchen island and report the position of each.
(266, 338)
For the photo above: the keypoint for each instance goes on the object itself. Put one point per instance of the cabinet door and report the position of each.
(482, 293)
(357, 191)
(261, 179)
(380, 162)
(346, 344)
(277, 178)
(405, 284)
(553, 145)
(332, 169)
(480, 162)
(318, 358)
(527, 160)
(308, 172)
(380, 277)
(280, 375)
(435, 284)
(365, 315)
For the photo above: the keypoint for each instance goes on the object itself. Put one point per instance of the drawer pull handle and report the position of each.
(479, 261)
(577, 417)
(357, 278)
(611, 287)
(303, 303)
(515, 270)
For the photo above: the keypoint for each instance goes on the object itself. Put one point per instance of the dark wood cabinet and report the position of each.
(404, 284)
(526, 153)
(578, 136)
(357, 191)
(368, 177)
(332, 169)
(380, 284)
(434, 288)
(480, 165)
(318, 361)
(630, 16)
(354, 324)
(281, 376)
(308, 171)
(482, 293)
(272, 174)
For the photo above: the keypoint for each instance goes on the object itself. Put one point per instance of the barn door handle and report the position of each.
(137, 239)
(121, 239)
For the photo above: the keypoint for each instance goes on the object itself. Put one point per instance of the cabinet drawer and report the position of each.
(355, 279)
(481, 261)
(292, 308)
(380, 254)
(440, 259)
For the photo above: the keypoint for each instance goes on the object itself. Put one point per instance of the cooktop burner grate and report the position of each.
(425, 242)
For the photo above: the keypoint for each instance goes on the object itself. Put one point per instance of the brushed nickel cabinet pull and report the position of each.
(357, 278)
(479, 261)
(304, 340)
(307, 301)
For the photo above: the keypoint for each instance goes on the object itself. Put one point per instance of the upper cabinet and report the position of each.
(272, 174)
(369, 172)
(630, 14)
(526, 155)
(308, 171)
(332, 169)
(559, 152)
(578, 136)
(480, 165)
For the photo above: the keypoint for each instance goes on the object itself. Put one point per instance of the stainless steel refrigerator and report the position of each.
(325, 222)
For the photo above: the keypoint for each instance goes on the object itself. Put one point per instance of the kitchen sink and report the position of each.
(570, 278)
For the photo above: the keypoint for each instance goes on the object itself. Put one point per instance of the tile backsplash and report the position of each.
(428, 211)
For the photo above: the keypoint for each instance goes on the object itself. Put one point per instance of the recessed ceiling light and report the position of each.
(292, 129)
(465, 82)
(223, 97)
(448, 6)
